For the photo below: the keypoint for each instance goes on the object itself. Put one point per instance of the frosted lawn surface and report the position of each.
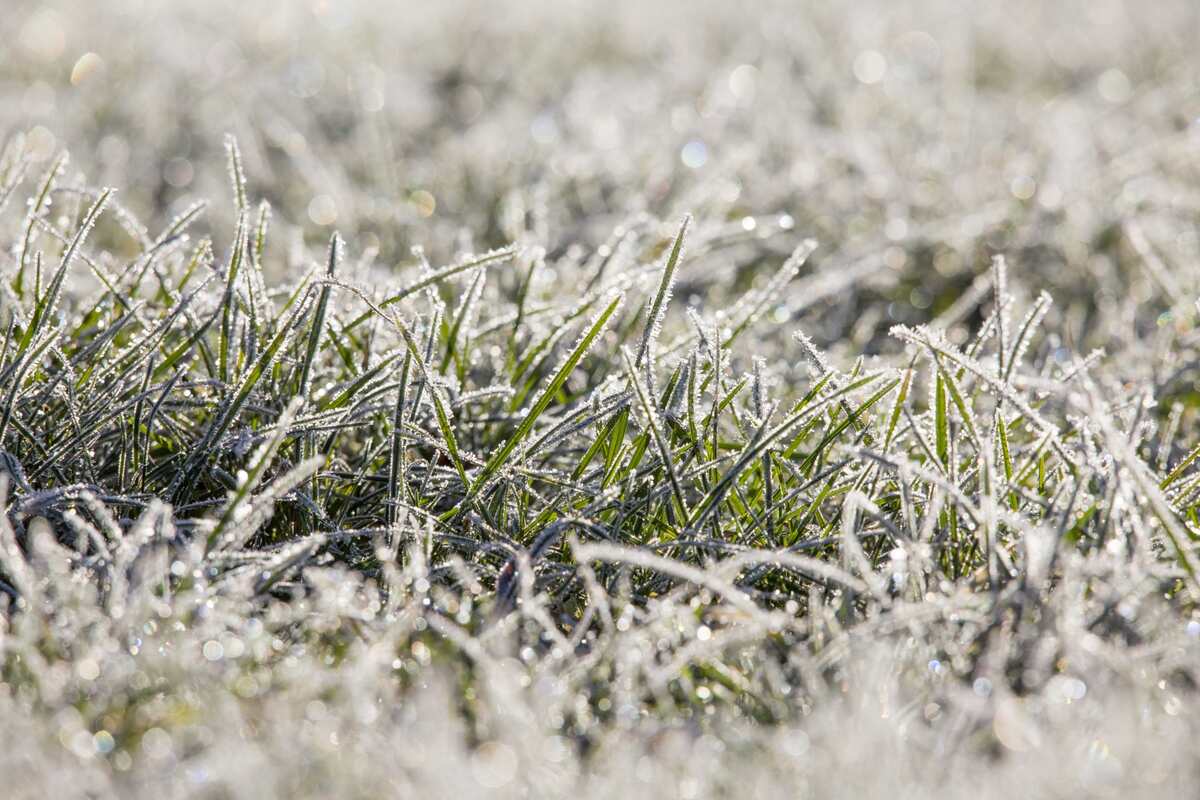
(698, 400)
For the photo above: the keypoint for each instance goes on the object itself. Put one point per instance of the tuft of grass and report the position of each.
(478, 426)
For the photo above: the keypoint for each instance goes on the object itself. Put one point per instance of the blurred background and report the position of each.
(912, 139)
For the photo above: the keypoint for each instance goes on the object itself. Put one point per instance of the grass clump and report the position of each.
(536, 482)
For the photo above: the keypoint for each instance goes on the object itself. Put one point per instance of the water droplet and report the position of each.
(1114, 86)
(694, 154)
(870, 66)
(213, 650)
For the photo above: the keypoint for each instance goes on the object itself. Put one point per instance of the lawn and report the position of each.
(679, 400)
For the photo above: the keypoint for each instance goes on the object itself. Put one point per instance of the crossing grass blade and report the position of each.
(549, 391)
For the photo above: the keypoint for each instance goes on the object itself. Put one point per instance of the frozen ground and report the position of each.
(663, 400)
